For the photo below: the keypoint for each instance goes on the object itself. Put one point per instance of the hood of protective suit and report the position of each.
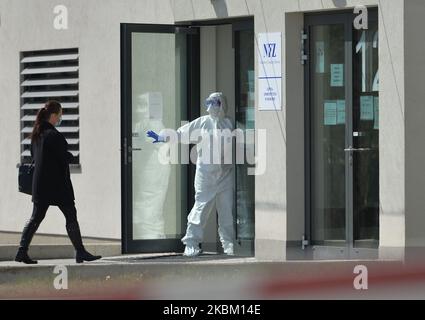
(216, 105)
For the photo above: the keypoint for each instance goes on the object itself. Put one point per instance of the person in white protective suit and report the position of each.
(214, 180)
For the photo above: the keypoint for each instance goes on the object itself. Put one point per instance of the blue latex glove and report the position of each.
(155, 136)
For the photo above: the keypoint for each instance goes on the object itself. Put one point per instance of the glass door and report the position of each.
(154, 93)
(343, 130)
(328, 95)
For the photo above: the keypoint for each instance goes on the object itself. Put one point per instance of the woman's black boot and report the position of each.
(74, 234)
(85, 256)
(22, 256)
(27, 235)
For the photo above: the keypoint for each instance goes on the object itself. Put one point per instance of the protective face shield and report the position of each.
(212, 102)
(215, 105)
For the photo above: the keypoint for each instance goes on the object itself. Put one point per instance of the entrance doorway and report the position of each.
(342, 108)
(166, 75)
(154, 97)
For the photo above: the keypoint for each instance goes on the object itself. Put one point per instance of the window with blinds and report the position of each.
(50, 75)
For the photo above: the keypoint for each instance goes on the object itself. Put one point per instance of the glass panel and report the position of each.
(245, 120)
(158, 86)
(328, 127)
(366, 137)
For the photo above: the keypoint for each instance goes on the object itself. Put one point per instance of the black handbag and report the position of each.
(26, 173)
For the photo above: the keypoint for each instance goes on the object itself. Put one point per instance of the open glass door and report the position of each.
(154, 97)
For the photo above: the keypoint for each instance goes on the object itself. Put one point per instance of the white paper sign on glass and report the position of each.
(270, 71)
(330, 113)
(337, 75)
(340, 104)
(320, 57)
(366, 108)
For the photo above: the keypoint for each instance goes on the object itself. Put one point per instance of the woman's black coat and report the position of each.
(52, 182)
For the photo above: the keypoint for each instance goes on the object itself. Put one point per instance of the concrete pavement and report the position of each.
(210, 276)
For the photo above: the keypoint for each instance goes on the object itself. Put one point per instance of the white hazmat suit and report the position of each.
(214, 180)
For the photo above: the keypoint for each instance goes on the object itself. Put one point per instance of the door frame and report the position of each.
(193, 112)
(243, 247)
(345, 17)
(192, 86)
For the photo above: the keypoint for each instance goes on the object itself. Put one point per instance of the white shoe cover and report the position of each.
(192, 251)
(228, 249)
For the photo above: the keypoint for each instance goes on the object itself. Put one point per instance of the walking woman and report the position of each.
(52, 182)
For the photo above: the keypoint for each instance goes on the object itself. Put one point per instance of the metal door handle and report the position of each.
(131, 149)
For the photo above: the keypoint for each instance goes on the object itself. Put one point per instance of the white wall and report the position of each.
(414, 72)
(294, 93)
(392, 126)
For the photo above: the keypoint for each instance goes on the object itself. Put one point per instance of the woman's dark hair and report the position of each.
(43, 114)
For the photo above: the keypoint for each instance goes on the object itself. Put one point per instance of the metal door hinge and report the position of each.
(305, 243)
(304, 56)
